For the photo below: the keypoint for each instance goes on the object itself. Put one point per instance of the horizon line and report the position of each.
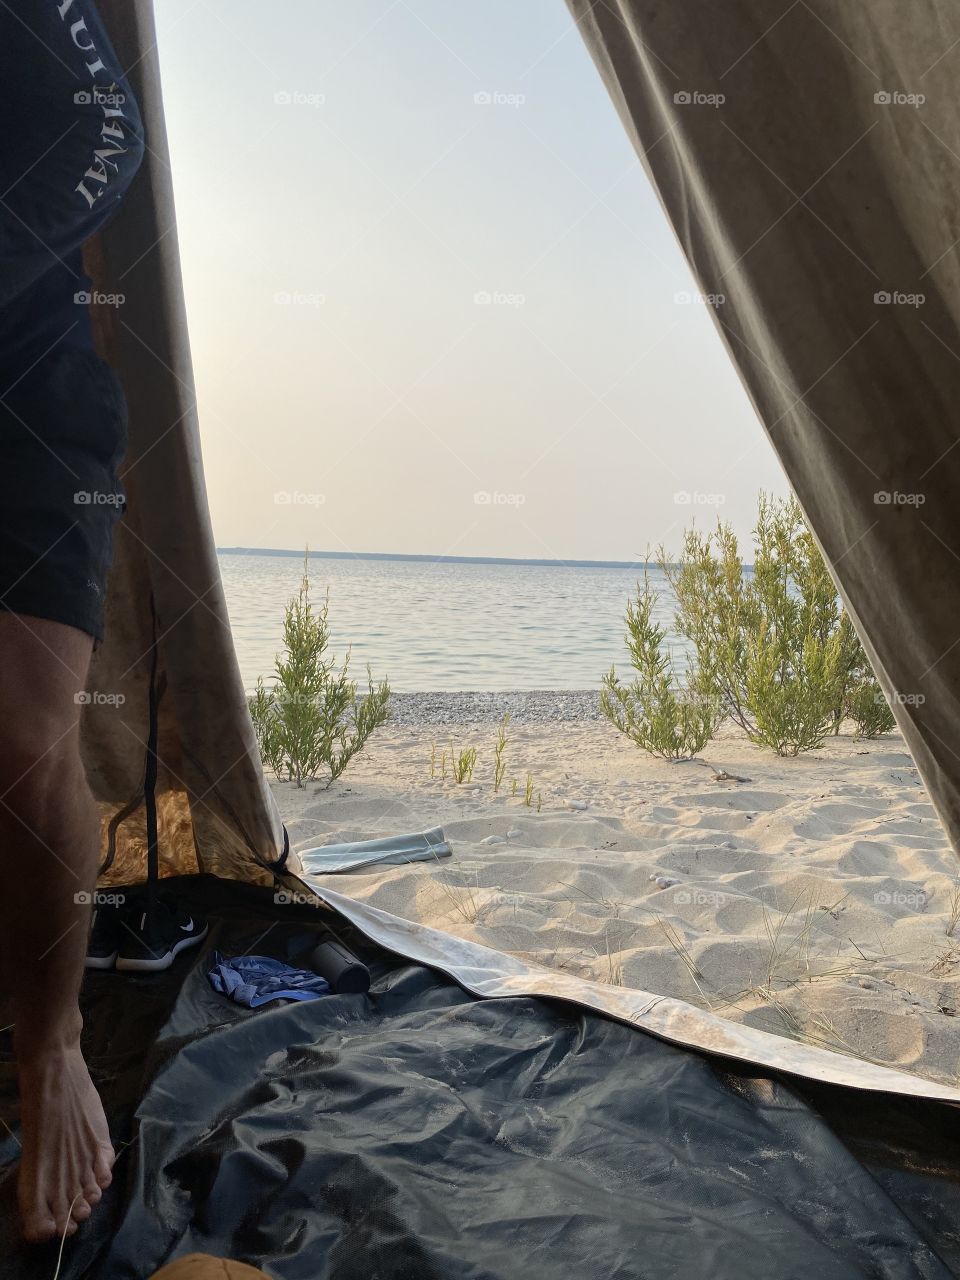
(436, 559)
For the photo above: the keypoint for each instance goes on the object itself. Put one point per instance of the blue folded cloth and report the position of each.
(256, 980)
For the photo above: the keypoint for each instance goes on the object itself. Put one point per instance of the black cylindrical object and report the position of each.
(346, 974)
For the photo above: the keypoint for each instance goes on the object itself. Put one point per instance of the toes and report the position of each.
(69, 1210)
(101, 1167)
(65, 1226)
(81, 1211)
(38, 1227)
(92, 1193)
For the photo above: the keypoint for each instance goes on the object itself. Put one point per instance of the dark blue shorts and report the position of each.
(63, 434)
(73, 141)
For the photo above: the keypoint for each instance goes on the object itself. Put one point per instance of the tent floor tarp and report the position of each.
(422, 1133)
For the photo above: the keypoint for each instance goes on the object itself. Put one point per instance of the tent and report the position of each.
(478, 1116)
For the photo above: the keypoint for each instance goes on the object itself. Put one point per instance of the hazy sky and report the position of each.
(346, 203)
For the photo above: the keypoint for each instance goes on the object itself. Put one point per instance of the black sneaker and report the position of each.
(152, 939)
(106, 934)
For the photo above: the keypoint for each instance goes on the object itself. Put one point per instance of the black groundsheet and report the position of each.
(419, 1133)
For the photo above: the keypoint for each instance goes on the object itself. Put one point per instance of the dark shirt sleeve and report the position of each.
(73, 140)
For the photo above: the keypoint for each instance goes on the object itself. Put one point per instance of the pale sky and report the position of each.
(343, 199)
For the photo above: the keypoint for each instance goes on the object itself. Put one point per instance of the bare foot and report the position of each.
(67, 1153)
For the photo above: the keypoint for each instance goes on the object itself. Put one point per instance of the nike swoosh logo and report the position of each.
(188, 926)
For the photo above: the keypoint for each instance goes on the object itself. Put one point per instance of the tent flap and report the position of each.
(216, 810)
(808, 157)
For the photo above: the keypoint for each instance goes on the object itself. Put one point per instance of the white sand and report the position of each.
(814, 900)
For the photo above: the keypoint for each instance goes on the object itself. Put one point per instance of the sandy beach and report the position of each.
(815, 897)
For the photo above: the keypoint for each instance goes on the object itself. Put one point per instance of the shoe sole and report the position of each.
(101, 962)
(155, 963)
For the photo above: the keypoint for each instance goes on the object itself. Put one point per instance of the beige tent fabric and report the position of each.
(215, 810)
(807, 153)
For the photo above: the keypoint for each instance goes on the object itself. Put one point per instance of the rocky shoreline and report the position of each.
(525, 707)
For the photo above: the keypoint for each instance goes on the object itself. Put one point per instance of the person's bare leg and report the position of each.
(49, 841)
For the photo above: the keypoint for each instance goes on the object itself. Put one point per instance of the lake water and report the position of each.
(444, 625)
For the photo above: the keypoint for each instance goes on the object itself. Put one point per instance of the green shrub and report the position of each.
(869, 710)
(773, 645)
(855, 669)
(656, 712)
(862, 700)
(312, 718)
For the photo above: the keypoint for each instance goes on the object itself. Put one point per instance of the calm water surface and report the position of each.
(430, 626)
